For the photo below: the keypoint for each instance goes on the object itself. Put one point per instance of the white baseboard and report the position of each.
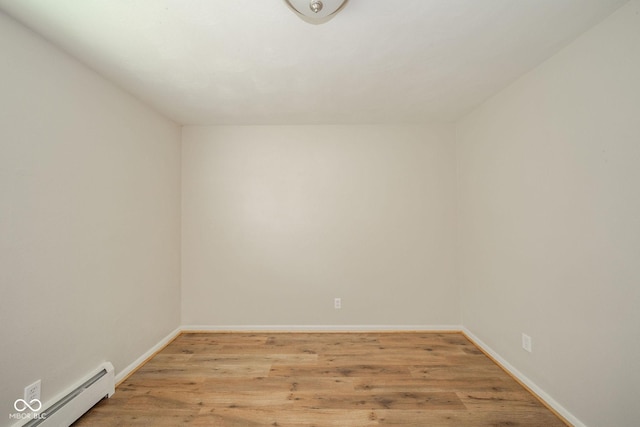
(526, 381)
(321, 328)
(143, 358)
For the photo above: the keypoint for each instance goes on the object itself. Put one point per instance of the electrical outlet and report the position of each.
(337, 303)
(32, 391)
(526, 342)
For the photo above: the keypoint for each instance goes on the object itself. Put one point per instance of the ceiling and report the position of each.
(256, 62)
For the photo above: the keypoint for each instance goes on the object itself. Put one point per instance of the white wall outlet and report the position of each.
(526, 342)
(337, 303)
(32, 391)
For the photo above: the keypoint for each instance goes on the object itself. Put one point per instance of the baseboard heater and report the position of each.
(64, 411)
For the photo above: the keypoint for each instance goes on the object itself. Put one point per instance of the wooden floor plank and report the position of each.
(496, 384)
(379, 400)
(316, 379)
(352, 370)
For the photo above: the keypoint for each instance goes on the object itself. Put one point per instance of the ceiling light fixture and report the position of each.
(316, 11)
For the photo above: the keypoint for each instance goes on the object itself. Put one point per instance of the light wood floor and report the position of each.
(314, 379)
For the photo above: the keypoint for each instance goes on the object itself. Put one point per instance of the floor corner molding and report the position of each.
(136, 364)
(543, 396)
(321, 328)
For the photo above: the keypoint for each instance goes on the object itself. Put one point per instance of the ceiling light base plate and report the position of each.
(316, 11)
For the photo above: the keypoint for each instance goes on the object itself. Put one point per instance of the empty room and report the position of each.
(319, 213)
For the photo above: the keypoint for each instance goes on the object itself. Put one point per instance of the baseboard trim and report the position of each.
(140, 361)
(322, 328)
(548, 401)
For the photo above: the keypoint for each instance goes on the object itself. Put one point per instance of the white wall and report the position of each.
(89, 219)
(279, 220)
(549, 228)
